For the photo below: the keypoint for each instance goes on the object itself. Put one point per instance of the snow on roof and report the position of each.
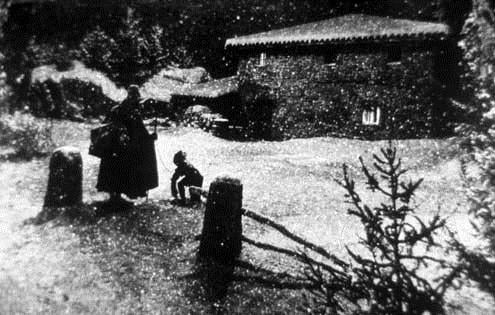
(170, 81)
(72, 2)
(30, 1)
(79, 71)
(189, 82)
(352, 27)
(162, 88)
(211, 89)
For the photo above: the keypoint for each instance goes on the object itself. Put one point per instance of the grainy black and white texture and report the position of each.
(282, 128)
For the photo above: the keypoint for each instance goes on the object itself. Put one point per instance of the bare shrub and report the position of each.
(28, 136)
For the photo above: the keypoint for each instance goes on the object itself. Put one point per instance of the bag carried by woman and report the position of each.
(109, 140)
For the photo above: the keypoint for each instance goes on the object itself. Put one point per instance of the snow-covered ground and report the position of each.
(291, 181)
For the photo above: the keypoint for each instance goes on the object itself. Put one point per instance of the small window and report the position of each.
(486, 70)
(262, 61)
(371, 116)
(394, 54)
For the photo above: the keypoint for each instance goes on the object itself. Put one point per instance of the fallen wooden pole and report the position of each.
(291, 253)
(317, 249)
(273, 283)
(274, 248)
(258, 269)
(198, 191)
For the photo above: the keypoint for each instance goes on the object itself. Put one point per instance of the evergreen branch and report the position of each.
(425, 232)
(423, 282)
(386, 172)
(378, 159)
(447, 280)
(372, 182)
(423, 257)
(397, 168)
(368, 262)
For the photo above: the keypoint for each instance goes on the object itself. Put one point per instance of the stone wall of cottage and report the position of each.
(325, 91)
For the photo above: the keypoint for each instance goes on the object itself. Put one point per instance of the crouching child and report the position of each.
(185, 175)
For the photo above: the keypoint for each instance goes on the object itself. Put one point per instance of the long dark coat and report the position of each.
(133, 172)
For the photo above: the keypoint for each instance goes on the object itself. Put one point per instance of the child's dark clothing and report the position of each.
(185, 175)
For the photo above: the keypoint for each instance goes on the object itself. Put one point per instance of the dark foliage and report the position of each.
(96, 50)
(134, 54)
(476, 265)
(478, 140)
(454, 13)
(194, 28)
(4, 14)
(478, 102)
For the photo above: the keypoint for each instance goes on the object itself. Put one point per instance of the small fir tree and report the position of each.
(393, 238)
(387, 273)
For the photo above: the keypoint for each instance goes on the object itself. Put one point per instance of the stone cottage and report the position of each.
(352, 76)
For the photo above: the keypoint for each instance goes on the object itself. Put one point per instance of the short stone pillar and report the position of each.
(221, 238)
(65, 178)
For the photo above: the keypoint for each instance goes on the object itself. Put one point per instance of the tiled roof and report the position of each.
(211, 89)
(30, 1)
(73, 2)
(352, 27)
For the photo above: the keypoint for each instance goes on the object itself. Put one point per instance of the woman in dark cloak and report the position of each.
(133, 171)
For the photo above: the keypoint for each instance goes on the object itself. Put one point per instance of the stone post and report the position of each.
(222, 225)
(65, 178)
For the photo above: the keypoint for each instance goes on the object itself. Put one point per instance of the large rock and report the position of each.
(65, 178)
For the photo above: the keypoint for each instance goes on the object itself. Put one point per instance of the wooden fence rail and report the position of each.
(283, 230)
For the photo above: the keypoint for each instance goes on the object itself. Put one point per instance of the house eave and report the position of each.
(343, 41)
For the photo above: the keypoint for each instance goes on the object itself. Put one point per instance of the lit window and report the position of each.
(486, 70)
(262, 59)
(371, 116)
